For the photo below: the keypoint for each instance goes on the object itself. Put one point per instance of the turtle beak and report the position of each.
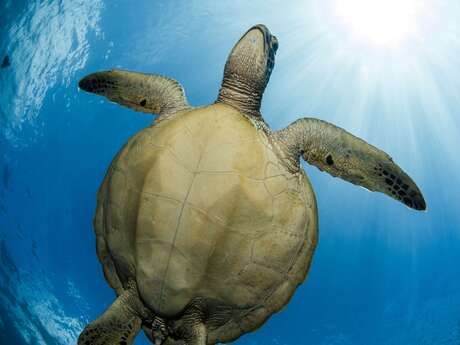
(265, 32)
(270, 41)
(270, 46)
(268, 37)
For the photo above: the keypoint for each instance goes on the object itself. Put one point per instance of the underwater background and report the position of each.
(382, 273)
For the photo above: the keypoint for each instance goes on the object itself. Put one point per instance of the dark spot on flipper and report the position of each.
(388, 181)
(123, 343)
(143, 102)
(405, 186)
(396, 187)
(385, 172)
(392, 176)
(329, 160)
(398, 180)
(401, 192)
(408, 202)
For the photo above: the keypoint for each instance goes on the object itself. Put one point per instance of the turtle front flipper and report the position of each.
(147, 93)
(341, 154)
(119, 324)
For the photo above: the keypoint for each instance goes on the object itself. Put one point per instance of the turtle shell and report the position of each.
(202, 206)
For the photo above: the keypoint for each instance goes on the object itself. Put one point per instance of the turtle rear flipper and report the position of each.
(119, 324)
(147, 93)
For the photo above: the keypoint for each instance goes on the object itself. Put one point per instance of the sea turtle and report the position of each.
(206, 222)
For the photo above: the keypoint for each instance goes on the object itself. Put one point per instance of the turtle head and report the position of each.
(253, 57)
(248, 69)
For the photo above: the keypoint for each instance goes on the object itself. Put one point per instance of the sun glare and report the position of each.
(383, 22)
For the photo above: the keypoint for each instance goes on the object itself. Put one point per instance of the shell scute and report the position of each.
(276, 249)
(167, 178)
(258, 278)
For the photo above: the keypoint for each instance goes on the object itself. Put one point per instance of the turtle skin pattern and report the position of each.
(201, 206)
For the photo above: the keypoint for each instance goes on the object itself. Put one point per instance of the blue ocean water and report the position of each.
(382, 273)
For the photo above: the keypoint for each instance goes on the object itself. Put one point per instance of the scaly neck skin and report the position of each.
(236, 92)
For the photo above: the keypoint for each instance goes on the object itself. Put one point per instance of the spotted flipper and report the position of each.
(341, 154)
(147, 93)
(119, 324)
